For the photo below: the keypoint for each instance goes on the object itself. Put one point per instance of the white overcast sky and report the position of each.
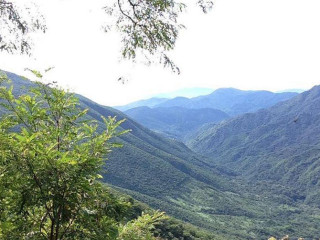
(247, 44)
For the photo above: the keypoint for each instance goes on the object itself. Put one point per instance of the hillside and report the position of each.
(280, 144)
(175, 122)
(151, 102)
(167, 175)
(230, 100)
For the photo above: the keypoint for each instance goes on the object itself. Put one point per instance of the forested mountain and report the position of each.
(279, 144)
(147, 102)
(230, 100)
(160, 98)
(179, 117)
(168, 176)
(175, 122)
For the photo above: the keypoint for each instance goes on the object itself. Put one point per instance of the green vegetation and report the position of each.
(51, 156)
(49, 166)
(175, 122)
(279, 144)
(276, 152)
(52, 153)
(167, 228)
(181, 118)
(166, 175)
(148, 29)
(16, 25)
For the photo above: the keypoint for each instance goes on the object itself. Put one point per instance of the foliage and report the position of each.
(16, 25)
(50, 160)
(278, 144)
(168, 176)
(167, 228)
(140, 228)
(149, 27)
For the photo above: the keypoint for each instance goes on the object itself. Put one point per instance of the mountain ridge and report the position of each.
(232, 101)
(169, 176)
(229, 100)
(175, 122)
(280, 143)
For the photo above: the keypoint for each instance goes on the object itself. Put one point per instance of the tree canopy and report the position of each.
(16, 23)
(148, 28)
(51, 157)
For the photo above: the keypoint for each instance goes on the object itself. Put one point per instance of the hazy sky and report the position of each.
(247, 44)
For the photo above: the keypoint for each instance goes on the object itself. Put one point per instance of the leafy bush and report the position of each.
(50, 160)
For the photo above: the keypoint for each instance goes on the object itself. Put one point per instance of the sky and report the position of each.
(248, 44)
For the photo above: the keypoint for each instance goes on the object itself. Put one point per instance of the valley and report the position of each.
(159, 120)
(249, 177)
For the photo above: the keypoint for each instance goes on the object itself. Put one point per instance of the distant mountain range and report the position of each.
(229, 100)
(166, 174)
(175, 122)
(259, 176)
(280, 144)
(142, 103)
(179, 117)
(186, 92)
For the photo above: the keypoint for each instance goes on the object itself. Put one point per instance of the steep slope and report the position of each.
(143, 150)
(230, 100)
(281, 144)
(162, 172)
(168, 176)
(175, 122)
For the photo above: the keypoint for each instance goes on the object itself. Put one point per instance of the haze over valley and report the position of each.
(159, 120)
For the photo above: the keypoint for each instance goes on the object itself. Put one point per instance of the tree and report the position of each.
(51, 156)
(16, 25)
(148, 28)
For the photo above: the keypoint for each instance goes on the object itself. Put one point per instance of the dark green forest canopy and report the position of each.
(50, 158)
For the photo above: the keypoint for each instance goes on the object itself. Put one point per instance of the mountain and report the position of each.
(163, 173)
(231, 101)
(160, 98)
(186, 92)
(175, 122)
(280, 145)
(168, 176)
(146, 102)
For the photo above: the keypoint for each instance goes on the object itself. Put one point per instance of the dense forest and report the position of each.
(228, 164)
(51, 156)
(168, 176)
